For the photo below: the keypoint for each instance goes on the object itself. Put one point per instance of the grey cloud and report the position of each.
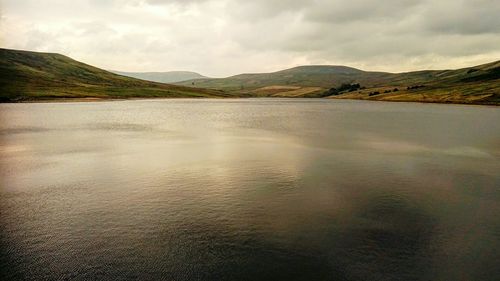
(463, 17)
(368, 30)
(224, 37)
(360, 10)
(92, 28)
(166, 2)
(258, 10)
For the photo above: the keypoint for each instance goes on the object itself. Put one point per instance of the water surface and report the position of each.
(249, 189)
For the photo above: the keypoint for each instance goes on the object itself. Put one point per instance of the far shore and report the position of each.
(95, 99)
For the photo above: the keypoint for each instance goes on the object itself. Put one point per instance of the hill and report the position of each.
(478, 84)
(162, 77)
(324, 76)
(475, 85)
(29, 75)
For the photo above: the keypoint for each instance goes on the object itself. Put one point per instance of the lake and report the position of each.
(249, 189)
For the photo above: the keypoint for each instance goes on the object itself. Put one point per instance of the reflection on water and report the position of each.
(257, 189)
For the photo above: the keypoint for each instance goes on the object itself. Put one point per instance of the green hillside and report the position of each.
(475, 85)
(479, 84)
(33, 76)
(308, 76)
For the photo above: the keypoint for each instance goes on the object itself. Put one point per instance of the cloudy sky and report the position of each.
(225, 37)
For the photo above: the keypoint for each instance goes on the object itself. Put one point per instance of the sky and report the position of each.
(219, 38)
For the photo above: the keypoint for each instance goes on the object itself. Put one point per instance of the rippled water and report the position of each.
(249, 189)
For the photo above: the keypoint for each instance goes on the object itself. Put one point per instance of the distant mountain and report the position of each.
(321, 69)
(324, 76)
(28, 75)
(162, 77)
(478, 84)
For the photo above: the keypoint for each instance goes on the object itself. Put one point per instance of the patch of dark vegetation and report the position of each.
(349, 87)
(373, 93)
(491, 74)
(5, 99)
(390, 91)
(344, 88)
(472, 70)
(415, 87)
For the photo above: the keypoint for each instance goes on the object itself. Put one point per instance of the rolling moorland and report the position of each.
(30, 76)
(476, 85)
(162, 77)
(33, 76)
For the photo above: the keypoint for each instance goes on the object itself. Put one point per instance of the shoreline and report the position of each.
(94, 99)
(423, 101)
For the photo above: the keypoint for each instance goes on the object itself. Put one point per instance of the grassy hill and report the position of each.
(33, 76)
(307, 76)
(479, 84)
(474, 85)
(162, 77)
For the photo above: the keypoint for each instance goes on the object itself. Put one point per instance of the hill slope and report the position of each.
(162, 77)
(479, 84)
(32, 75)
(476, 85)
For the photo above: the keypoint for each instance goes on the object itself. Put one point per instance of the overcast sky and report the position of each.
(226, 37)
